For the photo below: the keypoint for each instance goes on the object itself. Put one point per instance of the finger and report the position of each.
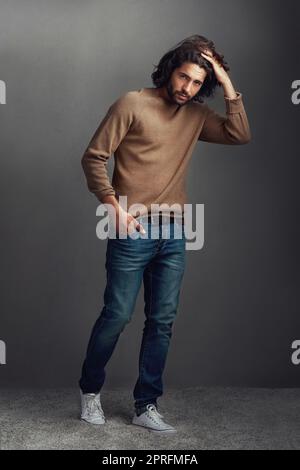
(207, 52)
(212, 60)
(140, 228)
(131, 226)
(134, 226)
(208, 57)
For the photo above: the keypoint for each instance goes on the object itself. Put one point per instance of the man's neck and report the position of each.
(163, 93)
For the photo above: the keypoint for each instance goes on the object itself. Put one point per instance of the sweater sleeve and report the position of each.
(109, 134)
(232, 130)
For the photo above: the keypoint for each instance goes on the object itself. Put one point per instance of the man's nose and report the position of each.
(187, 89)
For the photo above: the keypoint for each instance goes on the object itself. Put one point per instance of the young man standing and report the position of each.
(152, 133)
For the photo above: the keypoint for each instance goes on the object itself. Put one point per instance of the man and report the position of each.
(152, 133)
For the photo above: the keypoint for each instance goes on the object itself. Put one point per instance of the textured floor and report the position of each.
(205, 418)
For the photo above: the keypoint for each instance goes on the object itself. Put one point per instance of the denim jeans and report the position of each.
(158, 259)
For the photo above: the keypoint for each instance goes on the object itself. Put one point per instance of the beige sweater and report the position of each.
(152, 141)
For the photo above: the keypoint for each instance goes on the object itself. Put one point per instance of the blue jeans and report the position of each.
(160, 263)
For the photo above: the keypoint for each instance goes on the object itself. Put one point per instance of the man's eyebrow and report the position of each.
(196, 80)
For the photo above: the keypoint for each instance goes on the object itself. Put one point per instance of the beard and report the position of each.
(173, 95)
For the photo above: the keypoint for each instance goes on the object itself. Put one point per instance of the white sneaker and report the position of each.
(91, 410)
(152, 420)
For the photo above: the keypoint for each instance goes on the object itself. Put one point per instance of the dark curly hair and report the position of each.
(189, 50)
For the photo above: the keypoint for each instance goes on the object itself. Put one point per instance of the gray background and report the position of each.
(64, 63)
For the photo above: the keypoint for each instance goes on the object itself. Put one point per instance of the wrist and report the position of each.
(111, 201)
(229, 91)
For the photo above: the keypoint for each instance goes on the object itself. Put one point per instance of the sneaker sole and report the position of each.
(157, 431)
(92, 422)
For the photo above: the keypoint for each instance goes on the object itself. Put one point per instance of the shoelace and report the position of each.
(153, 413)
(93, 404)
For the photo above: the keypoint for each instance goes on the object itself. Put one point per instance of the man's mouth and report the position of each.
(182, 96)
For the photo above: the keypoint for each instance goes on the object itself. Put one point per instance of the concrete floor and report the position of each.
(205, 418)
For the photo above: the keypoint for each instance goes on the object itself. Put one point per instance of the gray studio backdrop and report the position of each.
(63, 64)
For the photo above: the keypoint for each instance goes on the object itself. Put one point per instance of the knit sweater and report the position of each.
(152, 140)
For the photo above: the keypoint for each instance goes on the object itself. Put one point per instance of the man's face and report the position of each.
(185, 82)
